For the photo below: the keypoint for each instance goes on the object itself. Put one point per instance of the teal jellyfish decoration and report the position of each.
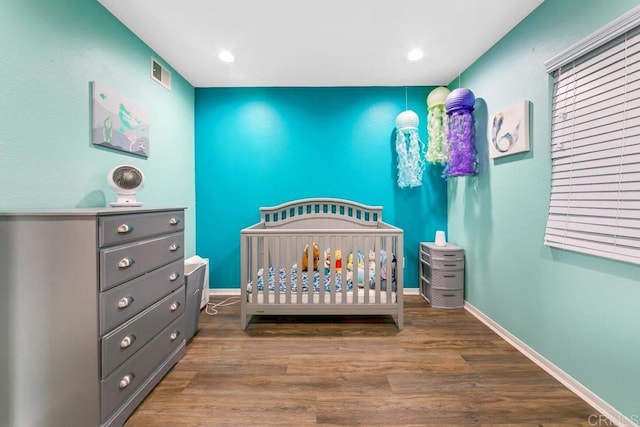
(410, 150)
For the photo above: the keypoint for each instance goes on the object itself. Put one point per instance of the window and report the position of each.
(595, 144)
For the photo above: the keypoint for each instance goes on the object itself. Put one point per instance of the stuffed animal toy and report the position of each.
(338, 259)
(350, 261)
(305, 257)
(327, 260)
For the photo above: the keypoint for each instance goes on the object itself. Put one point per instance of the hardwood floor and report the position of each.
(445, 368)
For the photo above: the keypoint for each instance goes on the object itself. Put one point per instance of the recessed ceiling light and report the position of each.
(226, 56)
(415, 54)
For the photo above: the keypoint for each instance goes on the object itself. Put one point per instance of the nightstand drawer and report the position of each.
(119, 304)
(121, 263)
(122, 343)
(126, 228)
(446, 264)
(447, 255)
(444, 298)
(447, 279)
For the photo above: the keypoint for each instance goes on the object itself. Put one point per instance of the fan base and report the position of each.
(126, 204)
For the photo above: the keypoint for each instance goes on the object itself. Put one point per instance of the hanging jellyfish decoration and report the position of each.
(438, 147)
(460, 132)
(410, 150)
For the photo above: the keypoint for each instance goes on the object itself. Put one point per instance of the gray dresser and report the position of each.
(442, 275)
(91, 312)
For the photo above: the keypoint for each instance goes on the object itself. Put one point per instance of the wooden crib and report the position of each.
(321, 257)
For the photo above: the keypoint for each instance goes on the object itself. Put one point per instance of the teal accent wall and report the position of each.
(51, 51)
(265, 146)
(578, 311)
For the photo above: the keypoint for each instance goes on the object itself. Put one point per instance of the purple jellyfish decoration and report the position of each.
(463, 157)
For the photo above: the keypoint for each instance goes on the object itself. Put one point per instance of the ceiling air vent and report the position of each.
(160, 74)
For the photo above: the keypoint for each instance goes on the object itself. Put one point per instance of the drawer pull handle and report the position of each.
(127, 341)
(174, 335)
(449, 255)
(448, 295)
(126, 380)
(449, 265)
(174, 276)
(174, 221)
(125, 302)
(174, 247)
(449, 276)
(126, 262)
(125, 228)
(174, 306)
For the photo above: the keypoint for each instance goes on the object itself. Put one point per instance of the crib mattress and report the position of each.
(325, 298)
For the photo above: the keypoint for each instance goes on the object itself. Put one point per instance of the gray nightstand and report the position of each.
(442, 275)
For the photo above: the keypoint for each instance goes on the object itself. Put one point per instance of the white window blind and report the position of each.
(595, 144)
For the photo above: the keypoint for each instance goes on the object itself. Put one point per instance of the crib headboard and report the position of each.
(320, 213)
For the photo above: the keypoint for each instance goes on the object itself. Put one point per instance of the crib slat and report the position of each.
(376, 270)
(288, 265)
(298, 249)
(253, 243)
(276, 271)
(366, 248)
(265, 265)
(322, 247)
(356, 279)
(310, 267)
(333, 271)
(343, 268)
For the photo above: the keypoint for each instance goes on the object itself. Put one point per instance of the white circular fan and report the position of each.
(126, 180)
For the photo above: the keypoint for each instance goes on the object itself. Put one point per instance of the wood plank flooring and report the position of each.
(445, 368)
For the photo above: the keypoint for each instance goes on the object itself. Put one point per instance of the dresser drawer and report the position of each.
(125, 228)
(447, 264)
(119, 304)
(125, 380)
(123, 342)
(121, 263)
(447, 279)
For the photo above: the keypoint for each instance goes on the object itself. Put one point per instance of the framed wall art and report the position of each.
(509, 131)
(118, 123)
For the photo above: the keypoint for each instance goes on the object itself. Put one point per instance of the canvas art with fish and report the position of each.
(118, 123)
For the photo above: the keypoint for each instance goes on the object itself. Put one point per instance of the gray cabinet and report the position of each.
(442, 275)
(91, 312)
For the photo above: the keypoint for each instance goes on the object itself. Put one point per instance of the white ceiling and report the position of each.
(321, 42)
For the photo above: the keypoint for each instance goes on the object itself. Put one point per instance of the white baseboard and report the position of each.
(567, 380)
(236, 291)
(227, 292)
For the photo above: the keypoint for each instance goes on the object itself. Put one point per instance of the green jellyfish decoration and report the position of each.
(460, 132)
(410, 150)
(438, 147)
